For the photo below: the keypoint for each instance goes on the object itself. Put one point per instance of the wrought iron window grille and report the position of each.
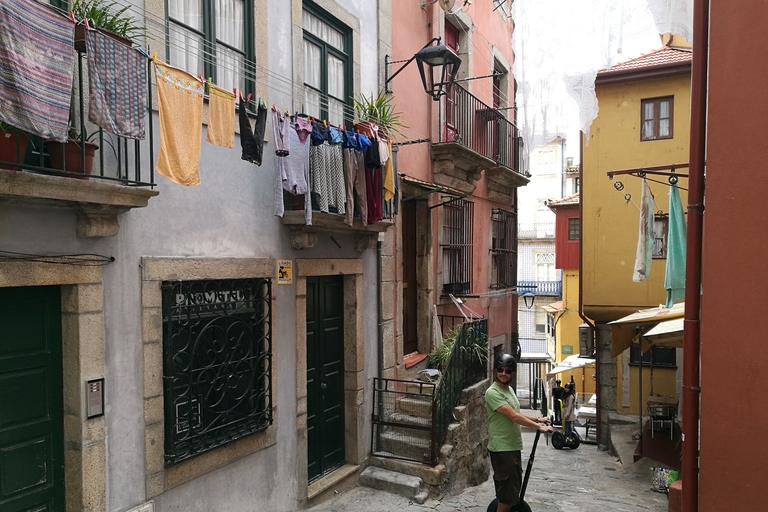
(217, 363)
(503, 249)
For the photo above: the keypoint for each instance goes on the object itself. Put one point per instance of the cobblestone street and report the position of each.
(582, 480)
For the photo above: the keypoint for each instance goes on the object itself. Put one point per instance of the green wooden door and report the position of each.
(31, 403)
(325, 374)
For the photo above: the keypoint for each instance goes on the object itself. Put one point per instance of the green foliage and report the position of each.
(477, 348)
(380, 111)
(108, 16)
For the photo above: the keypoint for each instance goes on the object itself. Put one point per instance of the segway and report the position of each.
(521, 506)
(559, 440)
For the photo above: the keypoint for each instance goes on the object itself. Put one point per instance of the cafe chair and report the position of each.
(661, 416)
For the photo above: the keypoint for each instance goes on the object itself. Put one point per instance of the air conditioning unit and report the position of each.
(586, 340)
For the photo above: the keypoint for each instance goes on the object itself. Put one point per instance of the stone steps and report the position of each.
(394, 482)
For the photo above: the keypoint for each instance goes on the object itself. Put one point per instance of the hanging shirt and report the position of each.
(389, 174)
(280, 124)
(293, 176)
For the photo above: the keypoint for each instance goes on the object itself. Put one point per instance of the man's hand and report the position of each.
(543, 420)
(544, 428)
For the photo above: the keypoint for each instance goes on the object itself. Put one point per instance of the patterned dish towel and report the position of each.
(117, 85)
(36, 67)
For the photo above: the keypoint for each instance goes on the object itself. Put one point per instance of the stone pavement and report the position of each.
(582, 480)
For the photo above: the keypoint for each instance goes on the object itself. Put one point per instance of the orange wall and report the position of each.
(733, 341)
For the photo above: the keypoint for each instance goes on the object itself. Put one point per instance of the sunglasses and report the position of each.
(508, 371)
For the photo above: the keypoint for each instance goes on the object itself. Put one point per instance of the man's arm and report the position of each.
(524, 419)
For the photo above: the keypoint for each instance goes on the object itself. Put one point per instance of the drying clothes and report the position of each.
(334, 135)
(248, 142)
(396, 202)
(389, 174)
(180, 102)
(373, 191)
(293, 176)
(326, 170)
(318, 133)
(221, 110)
(363, 142)
(674, 279)
(303, 129)
(644, 256)
(350, 142)
(372, 158)
(280, 124)
(383, 151)
(354, 170)
(36, 66)
(117, 79)
(260, 131)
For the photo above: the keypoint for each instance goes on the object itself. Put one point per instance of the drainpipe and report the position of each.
(691, 332)
(379, 313)
(581, 283)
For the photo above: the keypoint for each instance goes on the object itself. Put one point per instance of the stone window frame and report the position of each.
(355, 411)
(155, 270)
(82, 338)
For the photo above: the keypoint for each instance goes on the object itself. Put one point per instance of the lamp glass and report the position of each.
(441, 67)
(528, 299)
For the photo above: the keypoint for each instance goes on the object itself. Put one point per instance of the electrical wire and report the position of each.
(77, 260)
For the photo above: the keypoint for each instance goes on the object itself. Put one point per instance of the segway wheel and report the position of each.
(558, 440)
(576, 441)
(492, 507)
(520, 507)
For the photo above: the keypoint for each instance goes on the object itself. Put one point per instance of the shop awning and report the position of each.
(553, 308)
(429, 188)
(668, 334)
(570, 363)
(623, 329)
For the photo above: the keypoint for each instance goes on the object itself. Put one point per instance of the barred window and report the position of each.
(457, 246)
(503, 249)
(217, 361)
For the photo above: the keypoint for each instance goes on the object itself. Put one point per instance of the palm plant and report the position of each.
(380, 111)
(109, 16)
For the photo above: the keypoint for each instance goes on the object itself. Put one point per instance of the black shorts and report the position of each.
(507, 476)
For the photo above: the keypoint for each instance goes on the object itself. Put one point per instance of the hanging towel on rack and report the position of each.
(674, 280)
(221, 117)
(180, 102)
(643, 258)
(117, 85)
(36, 68)
(389, 174)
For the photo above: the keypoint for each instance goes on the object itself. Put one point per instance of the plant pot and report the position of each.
(73, 161)
(368, 128)
(80, 37)
(8, 149)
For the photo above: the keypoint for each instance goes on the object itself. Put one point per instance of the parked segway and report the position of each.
(521, 506)
(559, 440)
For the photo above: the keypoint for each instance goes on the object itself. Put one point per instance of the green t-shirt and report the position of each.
(504, 435)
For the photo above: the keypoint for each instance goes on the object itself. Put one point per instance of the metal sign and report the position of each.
(284, 271)
(567, 349)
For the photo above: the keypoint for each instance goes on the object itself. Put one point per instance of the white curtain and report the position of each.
(335, 90)
(312, 79)
(186, 47)
(325, 32)
(230, 29)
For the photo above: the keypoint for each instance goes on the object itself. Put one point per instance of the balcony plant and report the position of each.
(109, 17)
(68, 156)
(373, 113)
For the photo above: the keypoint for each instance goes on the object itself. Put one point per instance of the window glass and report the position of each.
(317, 27)
(545, 267)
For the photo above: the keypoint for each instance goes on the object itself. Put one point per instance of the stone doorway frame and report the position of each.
(354, 377)
(82, 338)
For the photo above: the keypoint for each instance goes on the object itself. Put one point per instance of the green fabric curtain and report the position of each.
(674, 281)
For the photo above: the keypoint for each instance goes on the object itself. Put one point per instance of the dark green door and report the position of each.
(31, 403)
(325, 374)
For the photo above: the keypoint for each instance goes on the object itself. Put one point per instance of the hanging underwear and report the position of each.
(303, 129)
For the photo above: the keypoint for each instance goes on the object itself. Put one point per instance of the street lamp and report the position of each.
(528, 299)
(441, 68)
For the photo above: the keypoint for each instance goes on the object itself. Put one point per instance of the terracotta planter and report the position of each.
(366, 128)
(80, 37)
(8, 148)
(73, 157)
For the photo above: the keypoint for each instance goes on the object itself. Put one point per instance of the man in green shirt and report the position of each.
(504, 435)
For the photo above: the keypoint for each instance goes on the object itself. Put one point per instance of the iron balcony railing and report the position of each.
(483, 129)
(554, 288)
(536, 231)
(115, 159)
(296, 202)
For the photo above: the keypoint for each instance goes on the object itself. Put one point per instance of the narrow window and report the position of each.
(660, 229)
(574, 229)
(656, 118)
(457, 246)
(503, 249)
(661, 356)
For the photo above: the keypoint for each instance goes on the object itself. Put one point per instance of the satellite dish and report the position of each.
(447, 5)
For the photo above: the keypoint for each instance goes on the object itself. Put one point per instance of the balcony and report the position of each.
(476, 137)
(98, 183)
(537, 231)
(550, 288)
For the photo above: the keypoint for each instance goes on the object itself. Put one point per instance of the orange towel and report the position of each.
(221, 117)
(180, 102)
(389, 175)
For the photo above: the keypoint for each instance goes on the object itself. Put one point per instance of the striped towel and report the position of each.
(36, 66)
(117, 85)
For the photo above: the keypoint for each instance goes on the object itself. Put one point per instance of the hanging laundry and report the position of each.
(221, 113)
(373, 182)
(354, 171)
(280, 124)
(117, 85)
(293, 176)
(303, 129)
(643, 258)
(389, 174)
(180, 102)
(674, 280)
(337, 193)
(260, 130)
(248, 142)
(36, 67)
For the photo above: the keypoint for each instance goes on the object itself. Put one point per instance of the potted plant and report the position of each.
(13, 146)
(108, 17)
(378, 114)
(68, 156)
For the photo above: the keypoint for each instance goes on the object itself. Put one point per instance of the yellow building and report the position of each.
(643, 122)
